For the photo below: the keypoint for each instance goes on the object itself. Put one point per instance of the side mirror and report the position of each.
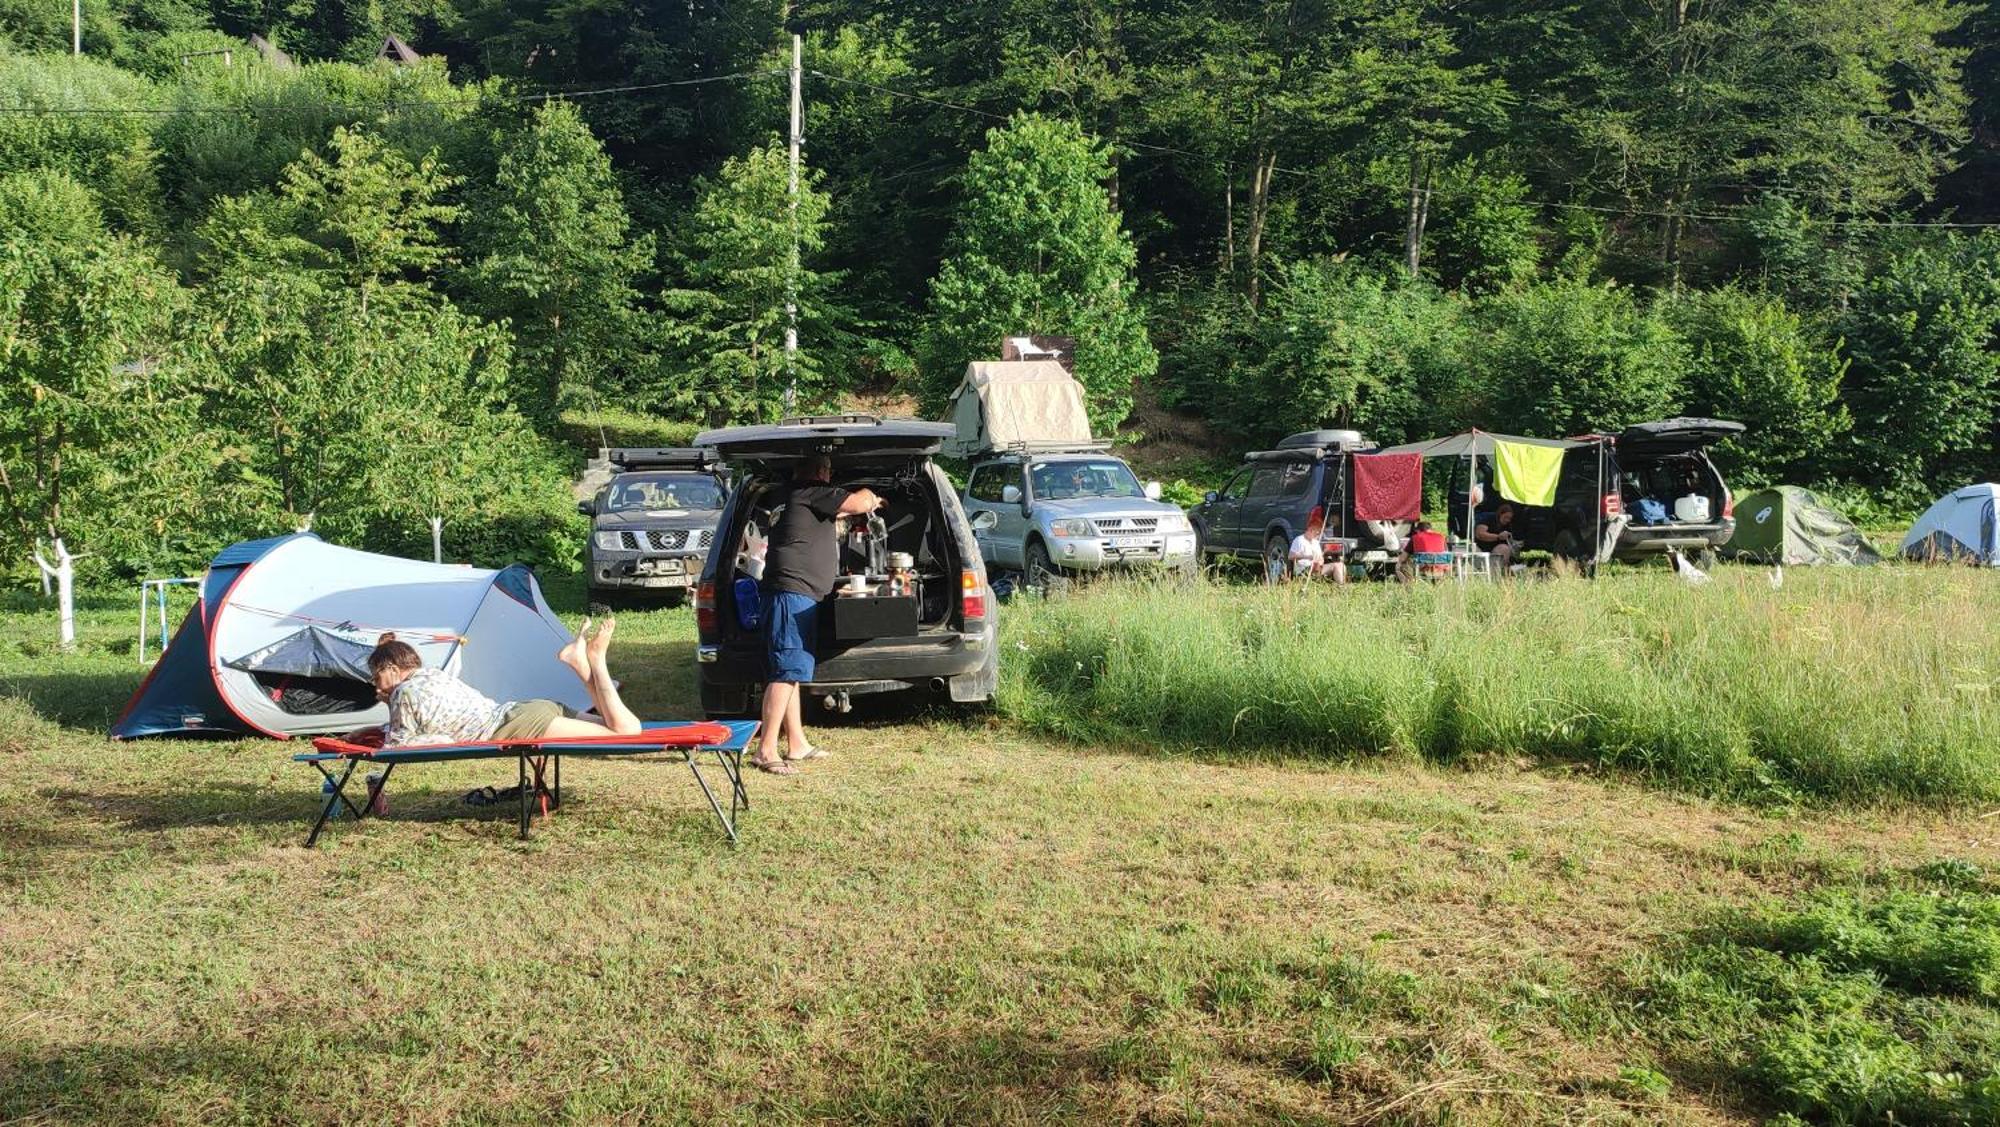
(586, 508)
(1152, 491)
(985, 519)
(1208, 498)
(1011, 494)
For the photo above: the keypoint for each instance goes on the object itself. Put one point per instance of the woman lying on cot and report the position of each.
(430, 706)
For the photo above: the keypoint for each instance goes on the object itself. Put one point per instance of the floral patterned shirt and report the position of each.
(434, 707)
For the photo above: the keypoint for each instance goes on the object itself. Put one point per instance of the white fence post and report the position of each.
(437, 539)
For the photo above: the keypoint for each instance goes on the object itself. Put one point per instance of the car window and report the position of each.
(1293, 479)
(1264, 485)
(1234, 490)
(631, 493)
(1060, 481)
(989, 483)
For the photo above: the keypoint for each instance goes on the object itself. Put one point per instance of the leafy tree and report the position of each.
(1752, 359)
(87, 449)
(1037, 249)
(1568, 356)
(1923, 347)
(369, 401)
(557, 259)
(112, 154)
(726, 357)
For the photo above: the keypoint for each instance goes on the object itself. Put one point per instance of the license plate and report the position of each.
(1130, 542)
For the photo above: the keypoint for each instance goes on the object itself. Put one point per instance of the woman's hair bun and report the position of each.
(387, 637)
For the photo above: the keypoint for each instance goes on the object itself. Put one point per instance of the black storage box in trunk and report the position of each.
(857, 618)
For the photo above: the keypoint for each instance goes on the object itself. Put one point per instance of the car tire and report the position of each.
(1040, 571)
(1706, 559)
(1275, 561)
(599, 602)
(675, 599)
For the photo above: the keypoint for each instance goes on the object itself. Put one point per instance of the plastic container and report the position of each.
(1691, 509)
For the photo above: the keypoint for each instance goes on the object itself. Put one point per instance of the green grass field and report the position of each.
(1099, 902)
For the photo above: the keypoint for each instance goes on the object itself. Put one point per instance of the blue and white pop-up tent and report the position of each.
(1958, 526)
(278, 644)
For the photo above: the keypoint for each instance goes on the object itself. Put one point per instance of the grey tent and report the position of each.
(1790, 525)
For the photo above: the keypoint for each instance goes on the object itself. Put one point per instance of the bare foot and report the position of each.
(574, 655)
(600, 642)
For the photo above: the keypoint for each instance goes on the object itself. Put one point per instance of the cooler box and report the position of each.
(857, 618)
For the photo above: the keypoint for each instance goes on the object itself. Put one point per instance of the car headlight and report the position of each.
(1071, 528)
(1175, 522)
(610, 541)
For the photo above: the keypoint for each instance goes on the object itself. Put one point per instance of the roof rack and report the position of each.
(1023, 446)
(663, 457)
(830, 420)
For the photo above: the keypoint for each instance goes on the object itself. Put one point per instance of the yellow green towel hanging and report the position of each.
(1527, 473)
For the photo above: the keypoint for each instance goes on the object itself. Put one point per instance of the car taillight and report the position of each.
(973, 589)
(704, 608)
(1728, 504)
(1613, 504)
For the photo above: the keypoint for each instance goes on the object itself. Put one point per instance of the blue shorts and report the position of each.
(791, 626)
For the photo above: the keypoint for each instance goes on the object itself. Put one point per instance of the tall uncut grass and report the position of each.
(1855, 685)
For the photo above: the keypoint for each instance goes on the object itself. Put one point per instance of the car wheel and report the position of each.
(599, 603)
(1274, 560)
(675, 598)
(1706, 559)
(1041, 571)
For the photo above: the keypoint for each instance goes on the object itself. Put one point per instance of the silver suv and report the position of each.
(1049, 511)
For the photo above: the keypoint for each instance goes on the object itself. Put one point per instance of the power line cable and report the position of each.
(377, 107)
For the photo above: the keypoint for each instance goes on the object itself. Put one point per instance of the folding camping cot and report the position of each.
(538, 764)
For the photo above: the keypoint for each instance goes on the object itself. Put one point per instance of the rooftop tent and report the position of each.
(1000, 402)
(1958, 526)
(277, 644)
(1789, 525)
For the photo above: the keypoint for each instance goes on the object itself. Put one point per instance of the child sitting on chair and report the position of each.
(430, 706)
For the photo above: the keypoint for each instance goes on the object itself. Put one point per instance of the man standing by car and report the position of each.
(800, 563)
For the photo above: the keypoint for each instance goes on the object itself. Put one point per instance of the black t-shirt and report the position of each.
(803, 555)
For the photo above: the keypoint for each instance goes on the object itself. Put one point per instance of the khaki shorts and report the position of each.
(530, 719)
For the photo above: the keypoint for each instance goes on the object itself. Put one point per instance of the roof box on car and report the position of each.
(1329, 439)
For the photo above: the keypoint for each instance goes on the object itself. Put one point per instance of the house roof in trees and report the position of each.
(270, 53)
(398, 52)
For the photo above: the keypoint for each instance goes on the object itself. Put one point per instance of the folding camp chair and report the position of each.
(538, 765)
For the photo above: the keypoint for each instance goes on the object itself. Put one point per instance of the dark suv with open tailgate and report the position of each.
(924, 618)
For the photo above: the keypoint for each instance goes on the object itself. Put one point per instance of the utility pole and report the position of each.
(76, 27)
(792, 273)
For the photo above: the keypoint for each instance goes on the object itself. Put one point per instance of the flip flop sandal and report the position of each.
(814, 752)
(481, 796)
(774, 767)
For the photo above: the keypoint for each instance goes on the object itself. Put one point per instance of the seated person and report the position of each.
(1308, 555)
(430, 706)
(1494, 533)
(1424, 541)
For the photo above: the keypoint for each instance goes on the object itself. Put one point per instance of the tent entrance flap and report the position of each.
(312, 672)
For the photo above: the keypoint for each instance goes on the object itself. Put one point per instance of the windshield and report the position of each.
(1057, 481)
(645, 493)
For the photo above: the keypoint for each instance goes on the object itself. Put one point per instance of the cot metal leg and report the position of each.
(728, 820)
(337, 798)
(521, 785)
(558, 801)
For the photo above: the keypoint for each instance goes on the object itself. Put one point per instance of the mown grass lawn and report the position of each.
(953, 919)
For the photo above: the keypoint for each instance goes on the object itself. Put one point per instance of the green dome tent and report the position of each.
(1790, 525)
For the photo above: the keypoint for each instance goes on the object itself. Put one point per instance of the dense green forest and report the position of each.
(256, 267)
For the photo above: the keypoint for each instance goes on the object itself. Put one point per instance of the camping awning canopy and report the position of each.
(1474, 443)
